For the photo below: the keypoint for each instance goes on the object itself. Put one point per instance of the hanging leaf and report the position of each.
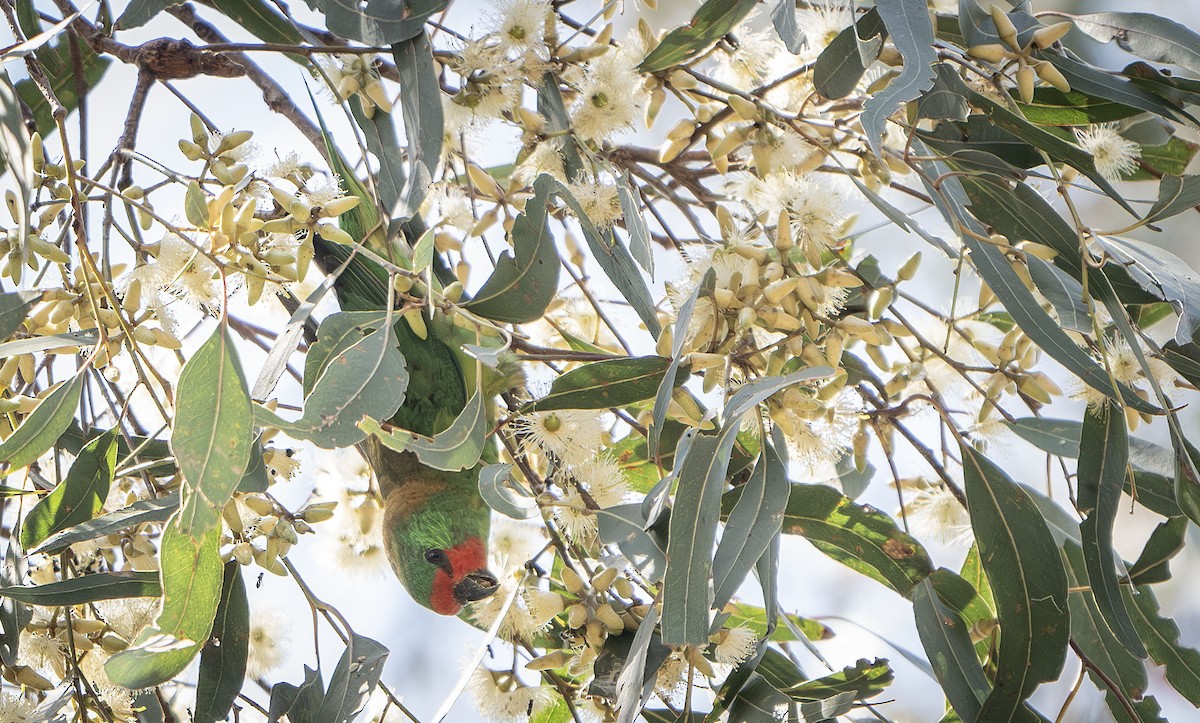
(839, 67)
(1165, 543)
(424, 126)
(947, 643)
(79, 497)
(912, 33)
(783, 19)
(213, 432)
(1064, 293)
(139, 12)
(191, 588)
(606, 384)
(456, 448)
(1103, 458)
(223, 664)
(378, 22)
(1028, 582)
(1147, 36)
(1161, 636)
(522, 285)
(42, 427)
(712, 20)
(87, 589)
(353, 680)
(858, 536)
(755, 520)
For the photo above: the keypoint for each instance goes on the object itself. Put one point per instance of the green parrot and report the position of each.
(435, 523)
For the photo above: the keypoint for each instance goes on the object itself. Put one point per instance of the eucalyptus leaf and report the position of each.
(912, 33)
(712, 20)
(1027, 580)
(378, 22)
(1146, 35)
(498, 490)
(42, 427)
(79, 497)
(213, 433)
(354, 679)
(143, 511)
(87, 589)
(421, 109)
(522, 285)
(839, 68)
(223, 665)
(605, 384)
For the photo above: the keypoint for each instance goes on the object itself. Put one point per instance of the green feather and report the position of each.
(425, 508)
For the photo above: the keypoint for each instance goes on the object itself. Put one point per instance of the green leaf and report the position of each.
(353, 680)
(1171, 158)
(195, 205)
(1163, 274)
(1052, 107)
(1058, 148)
(687, 593)
(69, 66)
(1094, 637)
(1103, 459)
(1164, 544)
(1147, 36)
(1110, 86)
(712, 20)
(912, 33)
(865, 679)
(78, 497)
(755, 520)
(640, 243)
(14, 308)
(606, 384)
(87, 589)
(223, 664)
(1176, 194)
(379, 133)
(456, 448)
(42, 427)
(300, 703)
(994, 268)
(947, 643)
(1028, 582)
(213, 432)
(1063, 292)
(751, 616)
(139, 12)
(522, 286)
(662, 398)
(860, 537)
(191, 587)
(616, 262)
(421, 109)
(1161, 636)
(365, 380)
(839, 67)
(941, 101)
(627, 667)
(337, 333)
(378, 22)
(503, 494)
(558, 123)
(624, 526)
(155, 510)
(260, 19)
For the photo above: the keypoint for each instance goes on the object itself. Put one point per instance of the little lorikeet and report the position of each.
(435, 522)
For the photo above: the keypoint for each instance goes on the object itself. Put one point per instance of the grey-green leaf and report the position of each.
(912, 32)
(213, 432)
(78, 497)
(353, 680)
(522, 285)
(421, 109)
(500, 492)
(378, 22)
(1028, 582)
(155, 510)
(712, 20)
(456, 448)
(191, 585)
(367, 379)
(139, 12)
(755, 520)
(223, 665)
(1148, 36)
(1103, 459)
(1063, 292)
(87, 589)
(42, 427)
(14, 307)
(1176, 194)
(839, 67)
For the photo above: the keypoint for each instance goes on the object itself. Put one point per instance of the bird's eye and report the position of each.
(436, 557)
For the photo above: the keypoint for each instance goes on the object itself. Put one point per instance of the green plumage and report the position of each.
(426, 510)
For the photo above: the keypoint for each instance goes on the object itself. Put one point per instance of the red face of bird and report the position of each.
(461, 576)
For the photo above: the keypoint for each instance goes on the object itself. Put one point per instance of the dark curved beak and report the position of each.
(475, 586)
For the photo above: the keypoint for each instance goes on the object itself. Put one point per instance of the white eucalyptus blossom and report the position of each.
(1114, 155)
